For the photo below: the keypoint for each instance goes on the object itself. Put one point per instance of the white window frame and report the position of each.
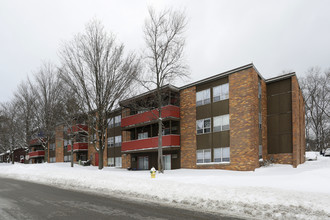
(118, 141)
(110, 123)
(111, 161)
(118, 162)
(201, 97)
(221, 158)
(117, 120)
(222, 126)
(111, 141)
(204, 153)
(204, 129)
(143, 135)
(222, 95)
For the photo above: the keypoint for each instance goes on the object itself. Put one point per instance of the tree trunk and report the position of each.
(101, 149)
(160, 150)
(12, 157)
(72, 142)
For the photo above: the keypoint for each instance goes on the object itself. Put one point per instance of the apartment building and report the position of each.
(232, 120)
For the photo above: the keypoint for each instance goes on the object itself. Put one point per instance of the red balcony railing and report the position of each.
(36, 141)
(167, 111)
(149, 143)
(39, 153)
(78, 147)
(78, 128)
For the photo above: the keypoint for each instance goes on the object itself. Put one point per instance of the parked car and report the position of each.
(311, 155)
(327, 152)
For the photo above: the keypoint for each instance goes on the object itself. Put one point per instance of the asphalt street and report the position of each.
(25, 200)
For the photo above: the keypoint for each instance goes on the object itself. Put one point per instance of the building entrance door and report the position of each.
(143, 163)
(167, 161)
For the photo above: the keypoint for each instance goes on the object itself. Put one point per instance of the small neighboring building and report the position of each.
(36, 151)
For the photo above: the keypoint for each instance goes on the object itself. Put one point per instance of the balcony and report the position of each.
(39, 153)
(167, 111)
(151, 143)
(78, 147)
(36, 141)
(78, 128)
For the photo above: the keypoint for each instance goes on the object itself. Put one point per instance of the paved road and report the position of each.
(24, 200)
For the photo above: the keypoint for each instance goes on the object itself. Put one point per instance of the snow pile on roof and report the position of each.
(274, 192)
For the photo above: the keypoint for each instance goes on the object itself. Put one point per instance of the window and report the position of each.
(221, 92)
(260, 121)
(203, 97)
(203, 126)
(52, 159)
(110, 142)
(110, 123)
(143, 135)
(65, 142)
(117, 120)
(67, 158)
(259, 90)
(221, 123)
(111, 161)
(204, 156)
(260, 151)
(142, 111)
(118, 141)
(52, 146)
(221, 154)
(118, 162)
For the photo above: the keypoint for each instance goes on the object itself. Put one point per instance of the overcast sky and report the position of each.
(221, 35)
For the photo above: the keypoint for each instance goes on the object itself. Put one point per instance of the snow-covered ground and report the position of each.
(273, 192)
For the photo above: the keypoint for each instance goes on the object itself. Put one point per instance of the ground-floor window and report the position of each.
(67, 158)
(52, 159)
(221, 154)
(111, 161)
(204, 156)
(143, 163)
(118, 162)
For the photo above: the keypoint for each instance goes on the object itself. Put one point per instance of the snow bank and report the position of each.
(274, 192)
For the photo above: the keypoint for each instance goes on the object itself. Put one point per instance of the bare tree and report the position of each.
(316, 91)
(47, 91)
(99, 73)
(164, 58)
(11, 127)
(26, 107)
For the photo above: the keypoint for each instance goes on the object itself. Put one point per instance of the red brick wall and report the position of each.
(243, 113)
(59, 143)
(264, 118)
(188, 127)
(126, 160)
(298, 124)
(284, 158)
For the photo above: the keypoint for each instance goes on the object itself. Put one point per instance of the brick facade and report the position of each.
(59, 142)
(126, 160)
(284, 158)
(298, 124)
(243, 111)
(188, 127)
(264, 118)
